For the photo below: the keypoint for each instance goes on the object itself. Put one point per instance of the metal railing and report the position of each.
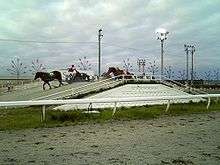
(180, 86)
(45, 103)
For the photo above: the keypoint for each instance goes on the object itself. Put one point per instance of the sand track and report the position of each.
(193, 139)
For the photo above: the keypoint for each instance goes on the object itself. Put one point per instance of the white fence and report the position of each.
(44, 103)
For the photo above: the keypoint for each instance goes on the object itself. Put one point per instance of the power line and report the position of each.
(124, 47)
(80, 42)
(67, 42)
(72, 42)
(43, 42)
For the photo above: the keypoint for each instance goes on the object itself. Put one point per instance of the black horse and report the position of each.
(81, 77)
(47, 77)
(77, 77)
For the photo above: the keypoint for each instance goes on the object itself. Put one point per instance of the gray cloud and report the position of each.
(125, 23)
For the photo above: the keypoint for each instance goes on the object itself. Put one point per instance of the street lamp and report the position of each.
(100, 35)
(162, 36)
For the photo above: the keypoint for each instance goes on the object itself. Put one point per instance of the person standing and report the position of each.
(8, 85)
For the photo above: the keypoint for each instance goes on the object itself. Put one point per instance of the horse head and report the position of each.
(37, 75)
(111, 69)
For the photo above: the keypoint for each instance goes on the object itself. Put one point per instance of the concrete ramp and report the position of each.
(34, 91)
(133, 90)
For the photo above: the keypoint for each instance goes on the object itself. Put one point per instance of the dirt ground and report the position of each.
(182, 140)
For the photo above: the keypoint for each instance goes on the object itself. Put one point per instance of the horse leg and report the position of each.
(88, 78)
(49, 85)
(60, 83)
(44, 86)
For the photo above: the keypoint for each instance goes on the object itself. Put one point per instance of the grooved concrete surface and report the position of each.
(35, 91)
(132, 90)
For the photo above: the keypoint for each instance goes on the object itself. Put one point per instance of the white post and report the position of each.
(114, 109)
(168, 105)
(209, 101)
(43, 113)
(90, 107)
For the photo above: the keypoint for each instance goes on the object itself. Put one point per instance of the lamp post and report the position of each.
(100, 35)
(162, 36)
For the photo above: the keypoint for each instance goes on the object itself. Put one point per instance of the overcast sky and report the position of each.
(128, 28)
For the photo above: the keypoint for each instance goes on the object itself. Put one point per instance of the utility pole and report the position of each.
(187, 62)
(191, 49)
(192, 70)
(162, 53)
(100, 35)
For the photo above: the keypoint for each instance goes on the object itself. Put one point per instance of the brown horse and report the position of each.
(47, 77)
(118, 72)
